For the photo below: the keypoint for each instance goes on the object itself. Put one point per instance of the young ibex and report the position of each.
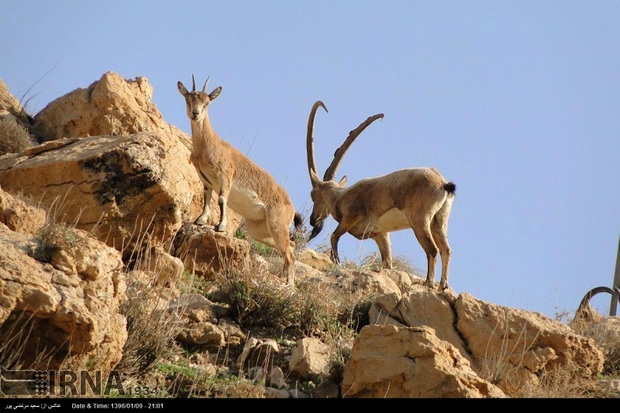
(239, 183)
(417, 198)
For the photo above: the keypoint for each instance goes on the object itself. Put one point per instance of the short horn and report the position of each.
(330, 172)
(204, 88)
(310, 137)
(193, 84)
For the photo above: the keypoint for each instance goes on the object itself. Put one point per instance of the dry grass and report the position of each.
(561, 383)
(590, 324)
(503, 368)
(14, 137)
(262, 306)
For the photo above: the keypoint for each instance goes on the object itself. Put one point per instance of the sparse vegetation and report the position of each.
(263, 307)
(14, 137)
(56, 233)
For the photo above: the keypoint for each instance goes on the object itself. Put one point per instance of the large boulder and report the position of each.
(64, 311)
(20, 216)
(112, 164)
(110, 106)
(410, 362)
(512, 347)
(10, 105)
(119, 188)
(522, 344)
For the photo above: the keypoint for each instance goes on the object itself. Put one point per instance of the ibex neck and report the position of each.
(202, 131)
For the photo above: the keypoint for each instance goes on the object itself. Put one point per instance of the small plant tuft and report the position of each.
(14, 137)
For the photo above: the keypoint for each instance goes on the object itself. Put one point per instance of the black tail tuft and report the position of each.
(298, 221)
(450, 187)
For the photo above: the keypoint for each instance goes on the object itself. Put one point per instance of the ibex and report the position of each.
(239, 183)
(417, 198)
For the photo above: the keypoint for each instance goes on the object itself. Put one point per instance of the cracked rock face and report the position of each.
(110, 106)
(110, 164)
(115, 187)
(490, 338)
(64, 313)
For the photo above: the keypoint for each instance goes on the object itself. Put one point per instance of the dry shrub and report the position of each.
(257, 297)
(14, 137)
(151, 327)
(151, 330)
(605, 331)
(503, 368)
(562, 382)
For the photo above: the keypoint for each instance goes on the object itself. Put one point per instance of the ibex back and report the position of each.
(239, 183)
(417, 198)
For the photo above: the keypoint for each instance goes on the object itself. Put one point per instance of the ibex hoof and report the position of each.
(200, 222)
(219, 228)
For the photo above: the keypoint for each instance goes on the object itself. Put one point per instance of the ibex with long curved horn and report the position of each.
(240, 184)
(417, 198)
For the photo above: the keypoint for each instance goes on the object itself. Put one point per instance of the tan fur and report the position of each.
(238, 182)
(417, 198)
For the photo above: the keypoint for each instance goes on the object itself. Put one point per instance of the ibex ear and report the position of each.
(343, 181)
(182, 88)
(314, 178)
(216, 92)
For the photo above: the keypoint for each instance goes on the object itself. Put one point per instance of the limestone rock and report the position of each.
(606, 332)
(110, 106)
(206, 252)
(315, 259)
(121, 189)
(19, 216)
(257, 353)
(511, 346)
(310, 359)
(410, 362)
(523, 343)
(68, 311)
(10, 104)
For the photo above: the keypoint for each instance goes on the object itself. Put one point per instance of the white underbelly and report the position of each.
(246, 203)
(393, 220)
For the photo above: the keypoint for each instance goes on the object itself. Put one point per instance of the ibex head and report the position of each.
(324, 190)
(197, 102)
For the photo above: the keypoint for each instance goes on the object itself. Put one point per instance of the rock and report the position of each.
(20, 216)
(511, 346)
(65, 314)
(206, 252)
(113, 164)
(110, 106)
(122, 190)
(310, 359)
(315, 259)
(202, 333)
(276, 378)
(257, 353)
(10, 104)
(410, 362)
(523, 344)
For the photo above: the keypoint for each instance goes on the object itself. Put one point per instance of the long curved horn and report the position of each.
(310, 137)
(330, 172)
(193, 84)
(205, 86)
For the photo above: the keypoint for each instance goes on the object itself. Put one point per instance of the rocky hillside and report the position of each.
(99, 259)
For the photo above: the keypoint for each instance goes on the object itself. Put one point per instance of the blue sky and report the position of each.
(517, 102)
